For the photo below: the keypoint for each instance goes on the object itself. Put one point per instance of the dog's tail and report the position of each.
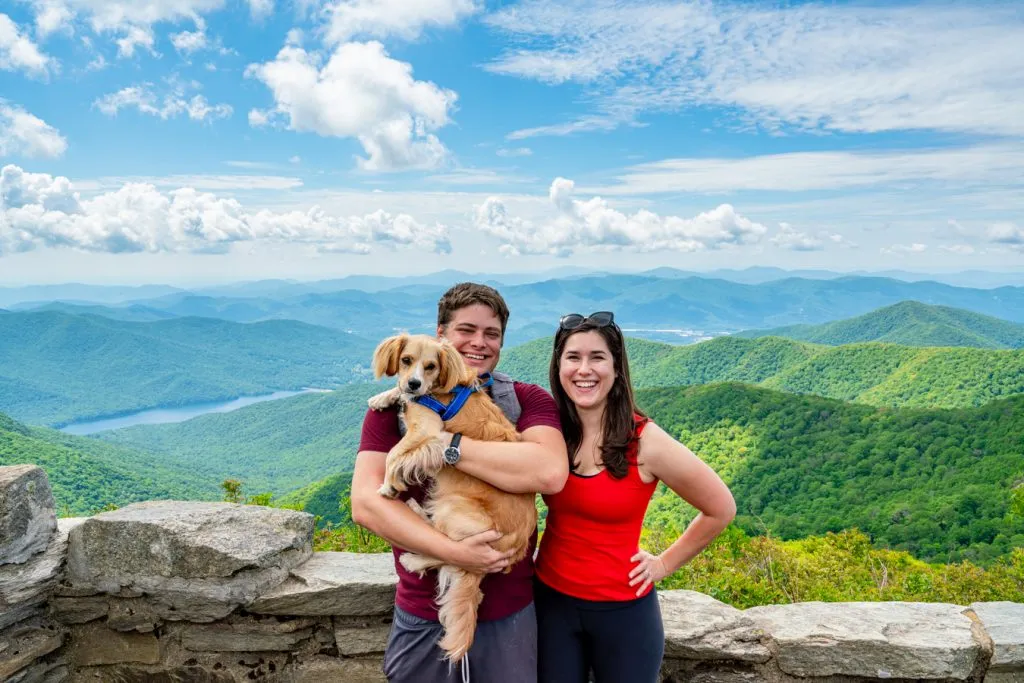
(458, 598)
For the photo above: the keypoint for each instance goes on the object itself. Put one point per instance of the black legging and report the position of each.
(618, 641)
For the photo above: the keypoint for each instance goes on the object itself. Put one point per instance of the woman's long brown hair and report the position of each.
(619, 427)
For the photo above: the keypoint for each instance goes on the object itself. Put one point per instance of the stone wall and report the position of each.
(185, 591)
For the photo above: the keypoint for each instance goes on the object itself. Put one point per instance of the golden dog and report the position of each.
(457, 504)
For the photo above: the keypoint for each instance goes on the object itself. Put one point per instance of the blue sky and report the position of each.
(208, 140)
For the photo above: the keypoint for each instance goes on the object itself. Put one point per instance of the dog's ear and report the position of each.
(452, 370)
(385, 358)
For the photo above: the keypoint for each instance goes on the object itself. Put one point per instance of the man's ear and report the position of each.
(385, 358)
(452, 370)
(440, 331)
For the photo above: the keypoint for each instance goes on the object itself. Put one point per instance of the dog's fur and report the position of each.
(457, 504)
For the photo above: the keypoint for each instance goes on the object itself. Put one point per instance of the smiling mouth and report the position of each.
(584, 385)
(474, 356)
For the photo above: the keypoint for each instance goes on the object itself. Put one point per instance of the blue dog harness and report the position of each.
(461, 395)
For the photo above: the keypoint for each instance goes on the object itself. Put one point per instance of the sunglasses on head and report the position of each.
(571, 321)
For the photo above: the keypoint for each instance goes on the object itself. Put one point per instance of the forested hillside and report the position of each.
(275, 447)
(640, 301)
(910, 323)
(872, 373)
(87, 475)
(936, 483)
(57, 368)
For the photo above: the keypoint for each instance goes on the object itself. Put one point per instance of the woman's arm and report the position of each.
(692, 480)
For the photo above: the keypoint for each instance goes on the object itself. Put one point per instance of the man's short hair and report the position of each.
(469, 293)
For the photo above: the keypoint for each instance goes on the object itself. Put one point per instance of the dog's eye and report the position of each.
(429, 366)
(406, 360)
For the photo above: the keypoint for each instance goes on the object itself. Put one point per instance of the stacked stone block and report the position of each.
(220, 593)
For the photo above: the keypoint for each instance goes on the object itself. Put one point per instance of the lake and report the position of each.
(157, 416)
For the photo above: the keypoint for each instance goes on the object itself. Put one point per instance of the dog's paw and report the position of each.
(388, 491)
(381, 401)
(418, 564)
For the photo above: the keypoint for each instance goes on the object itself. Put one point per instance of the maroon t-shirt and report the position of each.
(504, 594)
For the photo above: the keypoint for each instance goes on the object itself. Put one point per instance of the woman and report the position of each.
(595, 600)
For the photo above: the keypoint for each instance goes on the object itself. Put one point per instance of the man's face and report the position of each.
(475, 331)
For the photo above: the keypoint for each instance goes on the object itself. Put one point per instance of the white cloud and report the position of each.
(130, 21)
(40, 211)
(173, 104)
(188, 42)
(1007, 234)
(790, 238)
(915, 248)
(347, 19)
(851, 68)
(52, 16)
(295, 159)
(135, 36)
(801, 171)
(474, 176)
(19, 53)
(514, 152)
(197, 181)
(363, 93)
(963, 249)
(593, 225)
(585, 124)
(24, 134)
(261, 8)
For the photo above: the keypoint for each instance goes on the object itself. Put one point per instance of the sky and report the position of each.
(188, 141)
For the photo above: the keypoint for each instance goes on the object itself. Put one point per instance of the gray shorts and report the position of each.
(504, 651)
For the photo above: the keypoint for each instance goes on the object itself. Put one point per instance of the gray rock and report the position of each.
(27, 519)
(334, 584)
(44, 671)
(1004, 624)
(198, 560)
(33, 581)
(370, 638)
(871, 639)
(322, 669)
(699, 627)
(125, 673)
(245, 637)
(25, 642)
(94, 644)
(79, 610)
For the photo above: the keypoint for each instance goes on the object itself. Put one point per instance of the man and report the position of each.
(473, 317)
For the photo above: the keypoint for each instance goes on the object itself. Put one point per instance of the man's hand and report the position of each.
(475, 554)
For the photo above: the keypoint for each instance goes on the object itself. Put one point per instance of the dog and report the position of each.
(457, 504)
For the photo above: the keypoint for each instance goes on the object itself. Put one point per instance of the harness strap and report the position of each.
(461, 395)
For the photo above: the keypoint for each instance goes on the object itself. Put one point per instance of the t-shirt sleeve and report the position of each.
(537, 406)
(380, 430)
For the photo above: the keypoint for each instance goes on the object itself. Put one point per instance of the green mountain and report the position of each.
(936, 483)
(933, 482)
(86, 475)
(322, 498)
(275, 447)
(56, 368)
(910, 323)
(876, 374)
(643, 302)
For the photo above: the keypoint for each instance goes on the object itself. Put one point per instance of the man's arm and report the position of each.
(396, 522)
(537, 464)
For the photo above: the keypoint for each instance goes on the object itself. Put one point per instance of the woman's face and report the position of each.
(586, 370)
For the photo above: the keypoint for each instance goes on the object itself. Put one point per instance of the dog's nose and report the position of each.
(414, 384)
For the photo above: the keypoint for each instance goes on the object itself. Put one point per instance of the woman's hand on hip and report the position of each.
(650, 569)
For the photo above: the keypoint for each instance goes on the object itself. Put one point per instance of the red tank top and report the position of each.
(593, 529)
